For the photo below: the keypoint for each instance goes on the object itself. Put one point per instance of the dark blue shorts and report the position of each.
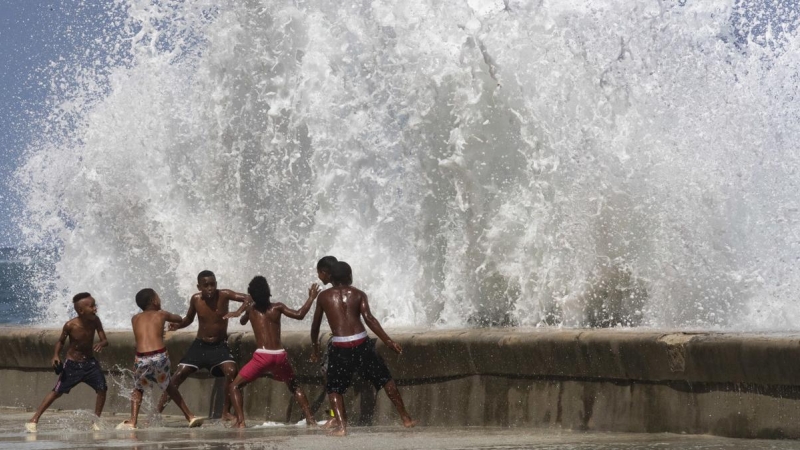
(75, 372)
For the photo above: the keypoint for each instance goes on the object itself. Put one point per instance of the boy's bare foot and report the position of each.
(30, 427)
(311, 423)
(408, 422)
(338, 431)
(228, 417)
(126, 425)
(333, 422)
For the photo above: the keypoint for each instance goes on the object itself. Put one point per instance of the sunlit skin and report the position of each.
(210, 305)
(148, 330)
(344, 306)
(325, 278)
(267, 330)
(81, 331)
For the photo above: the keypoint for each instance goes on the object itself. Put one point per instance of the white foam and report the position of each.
(474, 164)
(301, 423)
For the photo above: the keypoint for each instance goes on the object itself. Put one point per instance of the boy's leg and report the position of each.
(136, 402)
(337, 404)
(394, 395)
(100, 402)
(374, 369)
(235, 394)
(332, 421)
(300, 396)
(48, 400)
(93, 376)
(175, 395)
(230, 371)
(177, 379)
(341, 364)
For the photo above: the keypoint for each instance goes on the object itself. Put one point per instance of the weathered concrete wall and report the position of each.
(743, 385)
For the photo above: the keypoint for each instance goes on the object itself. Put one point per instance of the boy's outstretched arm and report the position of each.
(300, 314)
(235, 296)
(186, 321)
(173, 318)
(376, 327)
(315, 323)
(60, 344)
(245, 303)
(101, 333)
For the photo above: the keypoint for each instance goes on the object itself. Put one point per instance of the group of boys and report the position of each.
(350, 350)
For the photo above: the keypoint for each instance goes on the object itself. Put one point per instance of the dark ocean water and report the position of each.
(19, 270)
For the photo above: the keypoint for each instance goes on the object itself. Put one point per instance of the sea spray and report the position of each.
(488, 163)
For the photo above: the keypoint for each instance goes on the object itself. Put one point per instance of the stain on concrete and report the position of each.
(676, 350)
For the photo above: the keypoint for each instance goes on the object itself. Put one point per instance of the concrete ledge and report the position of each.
(743, 385)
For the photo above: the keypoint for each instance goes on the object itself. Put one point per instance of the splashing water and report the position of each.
(583, 163)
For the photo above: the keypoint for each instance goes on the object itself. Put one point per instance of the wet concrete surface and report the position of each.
(72, 430)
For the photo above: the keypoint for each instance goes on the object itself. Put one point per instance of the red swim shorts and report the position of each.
(263, 362)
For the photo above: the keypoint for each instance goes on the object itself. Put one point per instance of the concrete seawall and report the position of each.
(739, 385)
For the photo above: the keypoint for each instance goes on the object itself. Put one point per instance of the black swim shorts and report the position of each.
(343, 362)
(323, 362)
(207, 355)
(75, 372)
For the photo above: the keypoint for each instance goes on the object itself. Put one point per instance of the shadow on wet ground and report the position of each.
(72, 430)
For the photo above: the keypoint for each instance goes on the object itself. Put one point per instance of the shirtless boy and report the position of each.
(351, 350)
(324, 267)
(151, 365)
(80, 365)
(210, 349)
(270, 357)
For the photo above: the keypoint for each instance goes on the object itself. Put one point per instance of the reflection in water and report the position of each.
(215, 437)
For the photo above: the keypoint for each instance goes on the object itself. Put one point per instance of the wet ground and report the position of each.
(72, 430)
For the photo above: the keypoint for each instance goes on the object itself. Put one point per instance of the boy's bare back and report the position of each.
(267, 322)
(267, 326)
(148, 329)
(344, 306)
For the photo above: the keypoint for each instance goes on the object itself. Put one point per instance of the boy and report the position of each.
(151, 365)
(324, 267)
(351, 350)
(270, 357)
(210, 349)
(80, 365)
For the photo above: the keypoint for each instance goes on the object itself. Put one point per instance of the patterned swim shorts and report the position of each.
(151, 368)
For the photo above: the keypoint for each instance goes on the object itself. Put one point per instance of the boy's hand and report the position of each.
(56, 361)
(313, 291)
(97, 348)
(314, 355)
(173, 327)
(231, 315)
(394, 346)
